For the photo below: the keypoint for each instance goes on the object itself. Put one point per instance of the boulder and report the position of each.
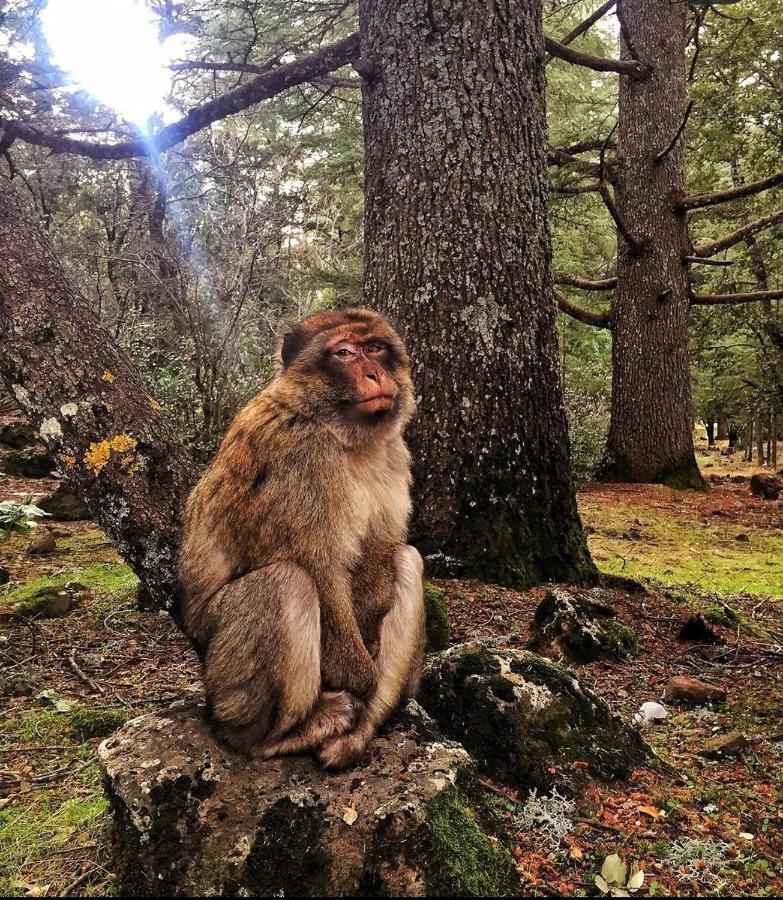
(522, 717)
(42, 543)
(766, 486)
(62, 504)
(573, 627)
(17, 434)
(194, 819)
(686, 691)
(724, 746)
(27, 463)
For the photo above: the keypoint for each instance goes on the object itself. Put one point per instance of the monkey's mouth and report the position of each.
(379, 404)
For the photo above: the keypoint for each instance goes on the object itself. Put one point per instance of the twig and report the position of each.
(85, 679)
(660, 157)
(85, 876)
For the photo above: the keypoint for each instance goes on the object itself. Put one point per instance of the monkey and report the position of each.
(297, 585)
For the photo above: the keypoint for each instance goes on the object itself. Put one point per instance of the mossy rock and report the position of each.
(575, 627)
(27, 463)
(194, 819)
(96, 721)
(48, 602)
(64, 505)
(437, 618)
(523, 718)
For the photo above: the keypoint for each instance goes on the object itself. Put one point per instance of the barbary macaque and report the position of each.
(297, 585)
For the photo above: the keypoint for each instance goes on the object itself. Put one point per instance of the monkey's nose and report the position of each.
(373, 376)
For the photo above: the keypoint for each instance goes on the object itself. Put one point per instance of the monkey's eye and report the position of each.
(343, 353)
(375, 348)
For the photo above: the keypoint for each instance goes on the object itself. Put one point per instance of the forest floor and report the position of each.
(696, 828)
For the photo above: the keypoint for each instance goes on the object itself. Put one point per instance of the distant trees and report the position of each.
(640, 177)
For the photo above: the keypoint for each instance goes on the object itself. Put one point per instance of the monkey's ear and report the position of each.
(293, 344)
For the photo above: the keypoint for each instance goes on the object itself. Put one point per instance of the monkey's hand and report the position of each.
(347, 665)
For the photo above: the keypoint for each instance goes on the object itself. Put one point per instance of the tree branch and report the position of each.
(633, 242)
(585, 284)
(262, 87)
(586, 187)
(748, 297)
(660, 157)
(741, 234)
(586, 316)
(584, 26)
(711, 198)
(630, 67)
(585, 146)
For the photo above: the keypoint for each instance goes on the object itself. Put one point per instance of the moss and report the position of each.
(48, 602)
(686, 478)
(96, 721)
(624, 639)
(437, 618)
(470, 862)
(103, 578)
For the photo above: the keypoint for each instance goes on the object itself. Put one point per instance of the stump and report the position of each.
(194, 819)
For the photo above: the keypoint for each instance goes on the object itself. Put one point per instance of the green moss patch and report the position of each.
(96, 721)
(472, 862)
(437, 618)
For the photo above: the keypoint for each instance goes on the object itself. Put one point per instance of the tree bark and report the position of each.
(651, 430)
(458, 255)
(723, 427)
(86, 398)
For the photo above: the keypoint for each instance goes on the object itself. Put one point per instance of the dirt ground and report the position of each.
(695, 827)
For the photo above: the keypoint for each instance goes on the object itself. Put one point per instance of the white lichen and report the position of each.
(50, 429)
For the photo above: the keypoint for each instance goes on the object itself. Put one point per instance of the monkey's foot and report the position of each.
(343, 751)
(335, 713)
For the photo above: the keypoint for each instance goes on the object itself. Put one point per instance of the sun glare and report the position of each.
(110, 48)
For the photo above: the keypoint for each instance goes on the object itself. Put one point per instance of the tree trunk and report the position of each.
(651, 430)
(709, 426)
(760, 437)
(723, 427)
(86, 398)
(458, 255)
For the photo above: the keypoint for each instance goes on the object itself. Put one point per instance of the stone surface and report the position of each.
(194, 819)
(437, 618)
(766, 486)
(521, 716)
(62, 504)
(43, 542)
(724, 746)
(27, 463)
(687, 691)
(574, 627)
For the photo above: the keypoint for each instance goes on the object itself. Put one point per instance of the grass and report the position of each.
(103, 578)
(633, 540)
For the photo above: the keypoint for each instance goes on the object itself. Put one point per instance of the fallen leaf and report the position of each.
(350, 815)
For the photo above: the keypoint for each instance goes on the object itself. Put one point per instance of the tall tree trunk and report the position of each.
(709, 426)
(651, 431)
(760, 436)
(458, 255)
(89, 404)
(723, 427)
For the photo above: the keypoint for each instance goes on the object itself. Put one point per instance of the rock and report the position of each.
(742, 537)
(194, 819)
(437, 618)
(42, 543)
(62, 504)
(520, 716)
(28, 463)
(766, 486)
(5, 575)
(46, 603)
(739, 479)
(17, 434)
(698, 631)
(723, 746)
(687, 691)
(573, 627)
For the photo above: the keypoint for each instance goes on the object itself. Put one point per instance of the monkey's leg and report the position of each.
(335, 713)
(262, 669)
(400, 657)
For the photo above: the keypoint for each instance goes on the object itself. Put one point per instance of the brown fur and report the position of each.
(297, 585)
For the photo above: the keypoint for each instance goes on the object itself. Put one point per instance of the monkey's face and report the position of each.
(361, 365)
(350, 368)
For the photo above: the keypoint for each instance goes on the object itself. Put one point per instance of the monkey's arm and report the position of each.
(345, 661)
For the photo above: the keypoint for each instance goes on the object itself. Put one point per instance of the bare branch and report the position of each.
(586, 187)
(749, 297)
(584, 26)
(708, 262)
(660, 157)
(262, 87)
(630, 67)
(741, 234)
(586, 146)
(711, 198)
(633, 242)
(586, 316)
(556, 157)
(585, 284)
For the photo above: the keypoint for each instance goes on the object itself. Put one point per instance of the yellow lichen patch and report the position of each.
(98, 454)
(154, 404)
(68, 461)
(107, 376)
